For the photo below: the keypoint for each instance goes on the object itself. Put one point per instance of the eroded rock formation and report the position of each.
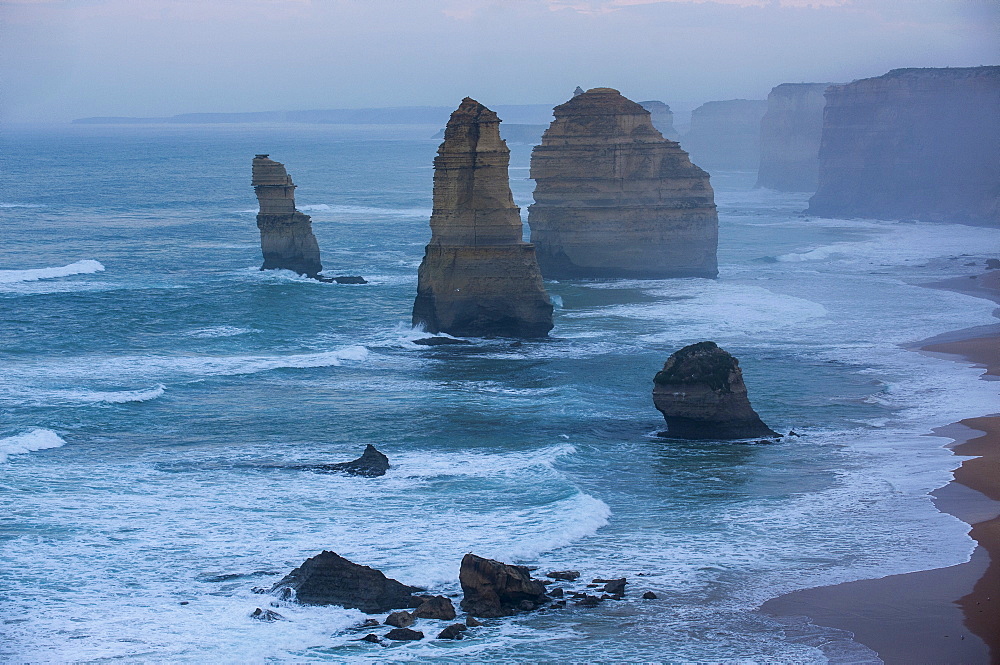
(330, 579)
(286, 236)
(790, 134)
(495, 589)
(613, 198)
(914, 143)
(662, 117)
(371, 464)
(478, 277)
(701, 394)
(726, 135)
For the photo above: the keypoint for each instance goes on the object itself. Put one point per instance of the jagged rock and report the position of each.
(589, 601)
(478, 278)
(726, 135)
(912, 144)
(400, 619)
(494, 589)
(286, 236)
(266, 615)
(662, 117)
(615, 587)
(701, 394)
(453, 632)
(556, 593)
(350, 279)
(404, 635)
(370, 623)
(371, 637)
(471, 622)
(790, 135)
(330, 579)
(435, 607)
(649, 595)
(371, 464)
(564, 575)
(613, 198)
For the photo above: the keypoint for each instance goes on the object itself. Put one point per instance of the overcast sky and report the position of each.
(64, 59)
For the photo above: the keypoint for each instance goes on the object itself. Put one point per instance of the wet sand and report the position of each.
(948, 615)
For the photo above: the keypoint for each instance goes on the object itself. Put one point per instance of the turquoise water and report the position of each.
(158, 392)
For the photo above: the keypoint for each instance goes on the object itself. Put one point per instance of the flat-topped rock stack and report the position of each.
(790, 135)
(286, 236)
(613, 198)
(478, 277)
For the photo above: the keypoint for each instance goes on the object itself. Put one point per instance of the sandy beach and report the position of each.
(948, 615)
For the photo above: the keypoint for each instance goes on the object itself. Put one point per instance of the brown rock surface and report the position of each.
(478, 277)
(495, 589)
(613, 198)
(725, 135)
(914, 143)
(286, 237)
(701, 394)
(790, 134)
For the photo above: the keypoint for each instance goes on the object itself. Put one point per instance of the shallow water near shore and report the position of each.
(158, 391)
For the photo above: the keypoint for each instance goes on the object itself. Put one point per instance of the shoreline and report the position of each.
(944, 615)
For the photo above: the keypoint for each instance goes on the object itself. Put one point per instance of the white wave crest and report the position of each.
(220, 331)
(30, 441)
(20, 205)
(119, 396)
(84, 267)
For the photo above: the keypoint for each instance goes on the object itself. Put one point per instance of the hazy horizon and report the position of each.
(67, 59)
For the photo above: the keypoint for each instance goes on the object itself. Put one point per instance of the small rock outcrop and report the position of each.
(453, 632)
(268, 616)
(613, 198)
(790, 135)
(371, 464)
(478, 277)
(725, 136)
(913, 144)
(330, 579)
(401, 619)
(435, 607)
(662, 117)
(404, 635)
(286, 236)
(701, 394)
(495, 589)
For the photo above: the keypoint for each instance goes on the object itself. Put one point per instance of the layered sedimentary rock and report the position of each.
(286, 237)
(913, 143)
(330, 579)
(726, 135)
(662, 117)
(790, 134)
(478, 277)
(495, 589)
(613, 198)
(701, 394)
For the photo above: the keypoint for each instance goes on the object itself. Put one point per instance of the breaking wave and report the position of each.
(30, 441)
(84, 267)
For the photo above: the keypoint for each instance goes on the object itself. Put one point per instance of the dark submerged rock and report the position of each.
(371, 637)
(266, 615)
(371, 464)
(440, 341)
(615, 587)
(453, 632)
(404, 635)
(701, 394)
(400, 619)
(495, 589)
(649, 595)
(330, 579)
(992, 264)
(472, 622)
(350, 279)
(435, 607)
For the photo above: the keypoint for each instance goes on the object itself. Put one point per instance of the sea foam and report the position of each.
(84, 267)
(30, 441)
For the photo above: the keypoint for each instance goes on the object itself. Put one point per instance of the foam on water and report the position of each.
(84, 267)
(30, 441)
(220, 331)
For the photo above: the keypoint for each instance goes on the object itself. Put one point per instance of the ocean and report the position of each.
(160, 394)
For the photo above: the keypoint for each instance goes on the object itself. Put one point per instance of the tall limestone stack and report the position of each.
(789, 137)
(662, 117)
(726, 135)
(613, 198)
(913, 144)
(478, 277)
(286, 237)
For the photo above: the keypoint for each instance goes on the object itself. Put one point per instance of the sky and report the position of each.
(65, 59)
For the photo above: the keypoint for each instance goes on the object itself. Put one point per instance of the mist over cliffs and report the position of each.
(790, 134)
(913, 143)
(725, 135)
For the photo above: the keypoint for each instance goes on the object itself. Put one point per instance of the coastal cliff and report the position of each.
(914, 143)
(726, 135)
(613, 198)
(790, 135)
(286, 237)
(478, 277)
(662, 117)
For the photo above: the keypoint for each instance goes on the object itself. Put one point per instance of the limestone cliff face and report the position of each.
(286, 237)
(662, 117)
(726, 135)
(913, 143)
(613, 198)
(701, 394)
(790, 134)
(478, 278)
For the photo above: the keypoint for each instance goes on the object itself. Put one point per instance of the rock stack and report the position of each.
(789, 137)
(613, 198)
(662, 117)
(913, 144)
(478, 277)
(286, 237)
(701, 394)
(725, 136)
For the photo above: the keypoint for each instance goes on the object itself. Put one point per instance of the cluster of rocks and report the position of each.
(491, 589)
